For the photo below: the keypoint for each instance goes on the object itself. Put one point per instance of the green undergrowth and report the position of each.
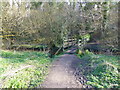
(105, 70)
(23, 69)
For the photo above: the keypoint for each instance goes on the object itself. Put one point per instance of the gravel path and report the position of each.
(62, 72)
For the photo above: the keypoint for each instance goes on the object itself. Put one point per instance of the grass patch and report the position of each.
(105, 70)
(14, 77)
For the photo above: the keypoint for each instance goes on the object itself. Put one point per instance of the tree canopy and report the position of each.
(45, 22)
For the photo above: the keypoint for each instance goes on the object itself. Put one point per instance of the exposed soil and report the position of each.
(65, 72)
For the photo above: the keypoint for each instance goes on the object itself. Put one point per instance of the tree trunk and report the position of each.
(119, 26)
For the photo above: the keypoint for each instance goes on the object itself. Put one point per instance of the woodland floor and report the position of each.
(62, 73)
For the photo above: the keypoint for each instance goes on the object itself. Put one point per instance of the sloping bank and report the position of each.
(23, 69)
(100, 71)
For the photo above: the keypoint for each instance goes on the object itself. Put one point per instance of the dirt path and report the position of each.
(62, 72)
